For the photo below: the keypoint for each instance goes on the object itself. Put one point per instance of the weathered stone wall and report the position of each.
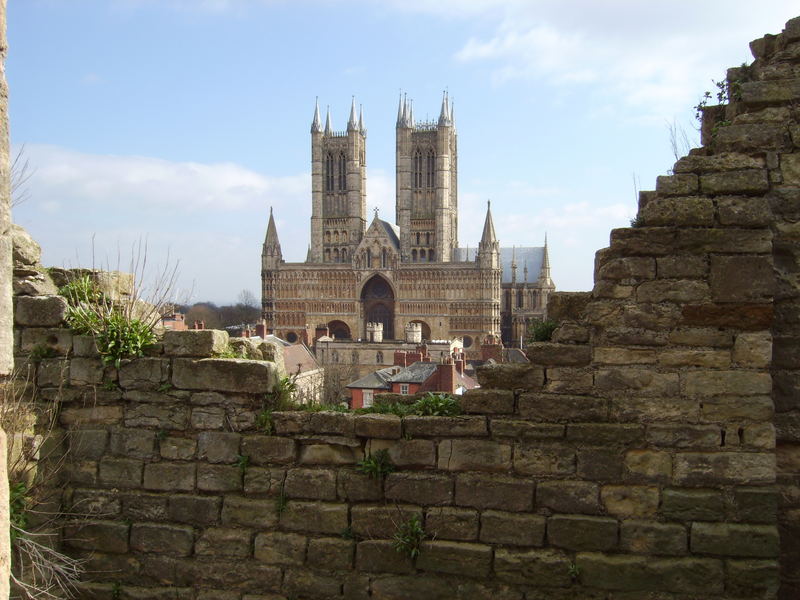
(635, 457)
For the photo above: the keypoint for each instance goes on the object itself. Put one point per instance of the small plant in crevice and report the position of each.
(116, 591)
(242, 461)
(574, 571)
(436, 405)
(264, 421)
(376, 465)
(637, 221)
(541, 331)
(231, 352)
(161, 435)
(42, 351)
(347, 533)
(164, 388)
(281, 502)
(408, 538)
(110, 385)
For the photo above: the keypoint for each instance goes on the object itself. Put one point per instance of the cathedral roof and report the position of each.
(391, 231)
(525, 256)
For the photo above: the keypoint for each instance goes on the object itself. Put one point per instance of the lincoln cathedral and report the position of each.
(389, 275)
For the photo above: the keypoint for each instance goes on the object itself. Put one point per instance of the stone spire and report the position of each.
(544, 274)
(328, 129)
(352, 123)
(444, 114)
(361, 119)
(513, 264)
(489, 248)
(410, 121)
(401, 112)
(488, 236)
(271, 253)
(525, 270)
(316, 124)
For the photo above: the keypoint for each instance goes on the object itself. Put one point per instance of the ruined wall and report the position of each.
(635, 457)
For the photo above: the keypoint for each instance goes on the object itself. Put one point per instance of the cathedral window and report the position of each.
(413, 256)
(430, 166)
(417, 170)
(342, 172)
(384, 260)
(417, 239)
(508, 300)
(327, 237)
(329, 172)
(427, 239)
(369, 259)
(430, 255)
(422, 254)
(336, 236)
(344, 254)
(327, 255)
(336, 255)
(519, 299)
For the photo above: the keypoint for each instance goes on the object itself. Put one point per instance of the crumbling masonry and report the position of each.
(635, 457)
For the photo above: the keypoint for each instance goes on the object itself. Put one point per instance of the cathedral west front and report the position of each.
(362, 272)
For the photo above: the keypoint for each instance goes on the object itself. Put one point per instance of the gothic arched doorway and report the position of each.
(339, 330)
(378, 300)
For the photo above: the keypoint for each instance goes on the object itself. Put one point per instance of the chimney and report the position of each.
(401, 358)
(261, 330)
(459, 362)
(413, 357)
(447, 377)
(319, 331)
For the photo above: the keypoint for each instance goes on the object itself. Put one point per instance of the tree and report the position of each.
(248, 299)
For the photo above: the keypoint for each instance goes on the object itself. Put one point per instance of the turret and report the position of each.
(352, 122)
(316, 125)
(271, 255)
(544, 274)
(489, 248)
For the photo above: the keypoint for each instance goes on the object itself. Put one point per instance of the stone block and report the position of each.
(719, 161)
(753, 350)
(358, 487)
(166, 417)
(302, 583)
(263, 481)
(479, 401)
(540, 568)
(143, 373)
(120, 472)
(741, 278)
(623, 356)
(89, 444)
(569, 380)
(277, 548)
(52, 372)
(683, 436)
(199, 342)
(714, 359)
(630, 500)
(568, 496)
(681, 267)
(513, 529)
(652, 537)
(92, 415)
(456, 558)
(680, 184)
(599, 464)
(332, 422)
(224, 375)
(98, 536)
(39, 311)
(218, 478)
(723, 468)
(730, 539)
(562, 408)
(445, 426)
(163, 539)
(474, 455)
(446, 523)
(756, 505)
(693, 505)
(743, 181)
(312, 484)
(500, 492)
(381, 521)
(290, 422)
(733, 408)
(138, 506)
(525, 430)
(701, 337)
(86, 371)
(176, 448)
(208, 417)
(258, 513)
(57, 339)
(169, 477)
(604, 434)
(718, 383)
(747, 317)
(329, 454)
(419, 488)
(729, 241)
(636, 267)
(194, 510)
(571, 333)
(331, 553)
(683, 211)
(579, 532)
(265, 450)
(387, 427)
(743, 211)
(753, 578)
(644, 382)
(509, 376)
(314, 517)
(221, 541)
(552, 354)
(218, 446)
(648, 466)
(379, 556)
(132, 443)
(544, 460)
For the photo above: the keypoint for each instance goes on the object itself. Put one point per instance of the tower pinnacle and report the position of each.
(316, 124)
(352, 123)
(444, 114)
(361, 118)
(328, 129)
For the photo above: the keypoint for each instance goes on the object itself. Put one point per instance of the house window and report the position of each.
(367, 398)
(404, 389)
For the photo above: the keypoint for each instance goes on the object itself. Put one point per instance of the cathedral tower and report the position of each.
(427, 196)
(271, 259)
(338, 188)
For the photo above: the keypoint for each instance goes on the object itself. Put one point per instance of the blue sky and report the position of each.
(183, 121)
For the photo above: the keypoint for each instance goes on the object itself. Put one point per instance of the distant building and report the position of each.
(174, 322)
(359, 274)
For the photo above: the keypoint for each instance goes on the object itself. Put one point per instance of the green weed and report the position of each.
(541, 331)
(242, 461)
(41, 351)
(377, 465)
(409, 537)
(436, 405)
